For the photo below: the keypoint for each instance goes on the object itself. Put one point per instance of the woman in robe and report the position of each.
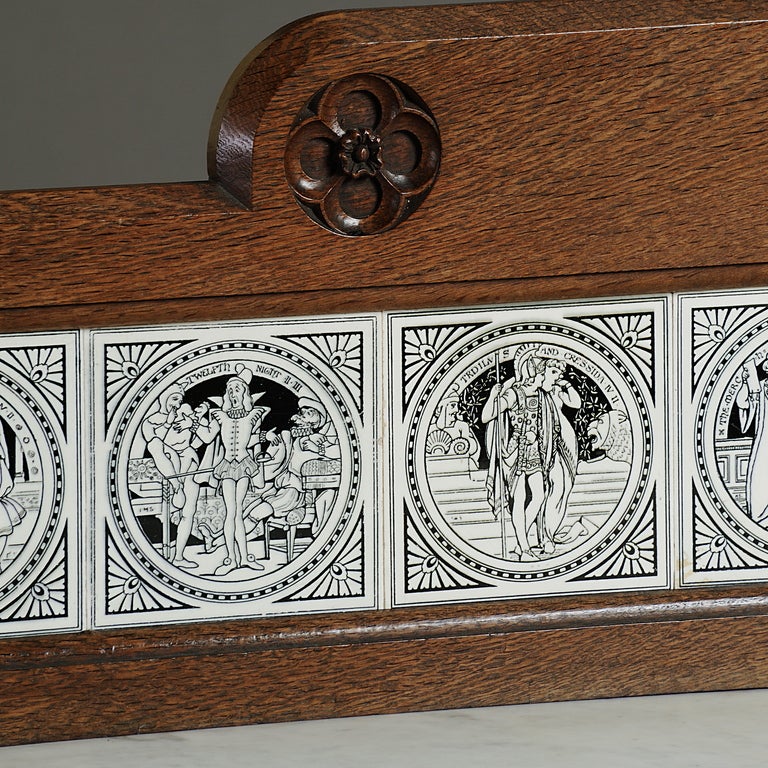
(752, 402)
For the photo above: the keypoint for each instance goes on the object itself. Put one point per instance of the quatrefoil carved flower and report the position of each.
(362, 155)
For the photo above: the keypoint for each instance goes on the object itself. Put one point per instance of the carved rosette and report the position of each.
(362, 155)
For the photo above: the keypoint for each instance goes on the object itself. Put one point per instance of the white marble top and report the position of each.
(701, 730)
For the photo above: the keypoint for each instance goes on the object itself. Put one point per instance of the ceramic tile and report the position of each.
(568, 490)
(723, 384)
(40, 585)
(235, 470)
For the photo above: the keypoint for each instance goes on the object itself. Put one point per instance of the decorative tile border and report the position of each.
(40, 493)
(527, 451)
(197, 472)
(723, 386)
(235, 470)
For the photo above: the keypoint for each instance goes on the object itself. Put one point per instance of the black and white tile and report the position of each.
(235, 470)
(198, 472)
(723, 409)
(40, 517)
(528, 451)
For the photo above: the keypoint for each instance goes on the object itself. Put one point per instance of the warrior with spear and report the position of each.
(531, 448)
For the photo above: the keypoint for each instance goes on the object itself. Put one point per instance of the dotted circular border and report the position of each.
(728, 518)
(215, 595)
(620, 525)
(58, 494)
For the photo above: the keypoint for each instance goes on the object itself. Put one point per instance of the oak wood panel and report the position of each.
(397, 297)
(564, 151)
(232, 673)
(239, 113)
(590, 149)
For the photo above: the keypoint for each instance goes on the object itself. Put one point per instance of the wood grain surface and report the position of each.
(587, 137)
(589, 149)
(232, 673)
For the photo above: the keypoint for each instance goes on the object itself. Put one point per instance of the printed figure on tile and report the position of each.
(533, 429)
(234, 434)
(752, 405)
(231, 465)
(738, 434)
(40, 587)
(309, 449)
(529, 463)
(532, 448)
(169, 432)
(723, 342)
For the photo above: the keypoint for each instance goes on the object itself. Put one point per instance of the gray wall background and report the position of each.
(96, 92)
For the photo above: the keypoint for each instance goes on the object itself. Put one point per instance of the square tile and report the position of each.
(235, 470)
(723, 385)
(528, 450)
(40, 521)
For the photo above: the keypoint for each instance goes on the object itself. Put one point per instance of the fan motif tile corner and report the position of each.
(528, 457)
(235, 470)
(724, 436)
(40, 525)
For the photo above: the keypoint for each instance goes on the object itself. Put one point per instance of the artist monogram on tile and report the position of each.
(196, 472)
